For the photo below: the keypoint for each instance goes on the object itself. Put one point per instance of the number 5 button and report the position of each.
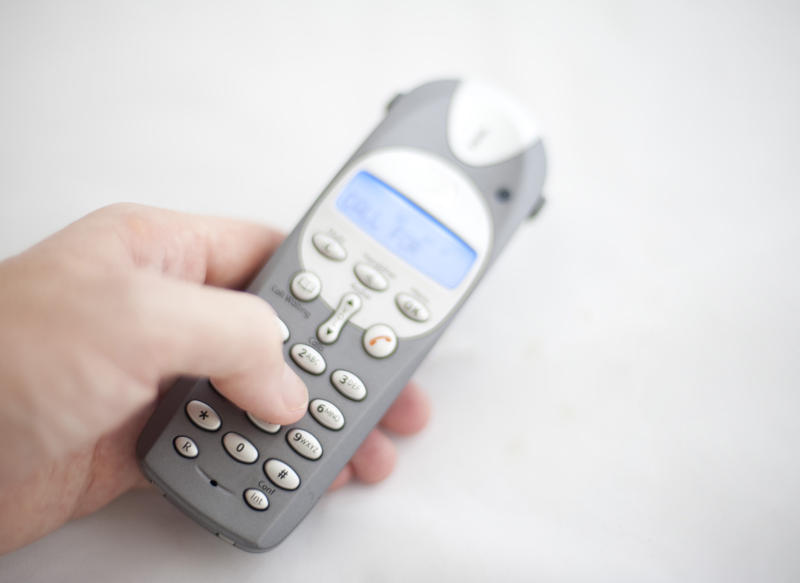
(379, 341)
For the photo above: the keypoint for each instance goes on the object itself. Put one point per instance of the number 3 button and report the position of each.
(380, 341)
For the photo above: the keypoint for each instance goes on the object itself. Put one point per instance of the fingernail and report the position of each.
(293, 391)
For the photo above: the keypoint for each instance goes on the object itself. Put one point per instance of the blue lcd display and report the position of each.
(406, 230)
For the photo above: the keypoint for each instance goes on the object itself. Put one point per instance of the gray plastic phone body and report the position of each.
(210, 487)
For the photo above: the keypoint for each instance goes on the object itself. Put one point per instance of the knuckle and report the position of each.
(122, 211)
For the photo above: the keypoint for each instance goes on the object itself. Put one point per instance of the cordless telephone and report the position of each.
(363, 287)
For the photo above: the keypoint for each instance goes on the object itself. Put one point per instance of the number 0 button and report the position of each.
(239, 448)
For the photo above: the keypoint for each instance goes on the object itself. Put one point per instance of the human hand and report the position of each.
(96, 318)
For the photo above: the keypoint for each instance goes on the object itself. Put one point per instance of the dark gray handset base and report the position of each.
(363, 287)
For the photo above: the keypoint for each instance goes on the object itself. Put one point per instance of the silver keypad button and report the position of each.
(256, 499)
(283, 328)
(379, 341)
(307, 358)
(348, 385)
(185, 446)
(263, 425)
(329, 330)
(280, 474)
(412, 307)
(329, 247)
(239, 448)
(306, 286)
(203, 415)
(304, 443)
(371, 277)
(326, 413)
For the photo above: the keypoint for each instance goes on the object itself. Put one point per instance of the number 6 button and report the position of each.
(326, 413)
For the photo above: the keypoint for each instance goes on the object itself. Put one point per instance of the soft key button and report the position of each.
(304, 443)
(306, 286)
(412, 307)
(280, 474)
(329, 330)
(239, 448)
(348, 384)
(307, 358)
(379, 341)
(203, 415)
(329, 247)
(370, 277)
(326, 413)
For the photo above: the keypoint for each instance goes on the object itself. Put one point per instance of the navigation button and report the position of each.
(379, 341)
(371, 277)
(329, 247)
(412, 307)
(329, 330)
(306, 286)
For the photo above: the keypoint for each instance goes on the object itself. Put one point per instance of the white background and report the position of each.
(619, 400)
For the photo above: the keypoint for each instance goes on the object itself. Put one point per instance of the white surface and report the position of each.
(619, 400)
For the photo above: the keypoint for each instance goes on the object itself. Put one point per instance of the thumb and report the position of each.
(231, 337)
